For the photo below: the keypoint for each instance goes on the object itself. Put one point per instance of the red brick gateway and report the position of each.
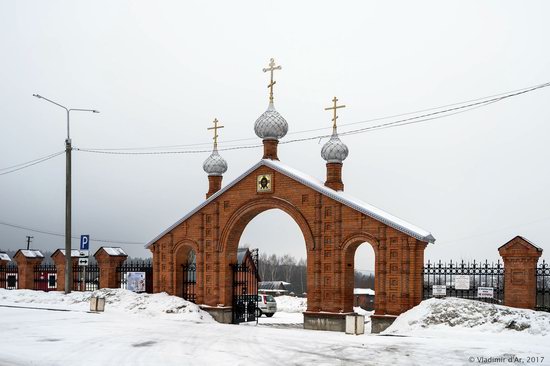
(332, 222)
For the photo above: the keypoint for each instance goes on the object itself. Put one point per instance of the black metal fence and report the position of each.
(86, 278)
(245, 289)
(9, 277)
(543, 286)
(136, 276)
(189, 281)
(479, 275)
(45, 277)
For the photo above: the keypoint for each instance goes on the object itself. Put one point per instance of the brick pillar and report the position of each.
(25, 267)
(334, 176)
(270, 149)
(214, 184)
(108, 263)
(520, 264)
(59, 259)
(3, 264)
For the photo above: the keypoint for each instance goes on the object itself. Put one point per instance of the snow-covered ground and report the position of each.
(164, 330)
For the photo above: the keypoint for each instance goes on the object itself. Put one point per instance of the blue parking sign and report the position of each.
(84, 242)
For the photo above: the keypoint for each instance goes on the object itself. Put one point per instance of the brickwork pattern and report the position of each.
(332, 232)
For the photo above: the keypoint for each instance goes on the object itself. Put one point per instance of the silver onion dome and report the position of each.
(215, 164)
(271, 125)
(334, 151)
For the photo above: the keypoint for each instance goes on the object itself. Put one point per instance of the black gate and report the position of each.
(543, 287)
(45, 277)
(245, 288)
(189, 281)
(8, 276)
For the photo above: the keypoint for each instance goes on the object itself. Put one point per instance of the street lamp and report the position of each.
(68, 148)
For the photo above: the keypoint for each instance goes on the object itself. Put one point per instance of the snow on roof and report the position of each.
(114, 251)
(363, 291)
(316, 184)
(74, 252)
(31, 253)
(4, 256)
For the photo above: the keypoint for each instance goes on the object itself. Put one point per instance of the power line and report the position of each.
(30, 163)
(63, 235)
(469, 103)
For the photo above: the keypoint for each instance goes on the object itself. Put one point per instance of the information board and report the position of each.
(462, 282)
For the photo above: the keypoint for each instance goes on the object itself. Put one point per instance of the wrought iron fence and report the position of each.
(479, 274)
(189, 281)
(543, 286)
(136, 276)
(8, 276)
(85, 278)
(45, 277)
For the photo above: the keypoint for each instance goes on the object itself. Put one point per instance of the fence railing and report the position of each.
(480, 274)
(86, 278)
(543, 286)
(136, 276)
(9, 278)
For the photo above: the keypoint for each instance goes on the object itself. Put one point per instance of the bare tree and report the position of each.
(287, 262)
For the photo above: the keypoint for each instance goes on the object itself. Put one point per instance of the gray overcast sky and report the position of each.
(161, 71)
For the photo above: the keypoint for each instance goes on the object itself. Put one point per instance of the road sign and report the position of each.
(439, 290)
(83, 261)
(84, 242)
(462, 282)
(84, 253)
(485, 292)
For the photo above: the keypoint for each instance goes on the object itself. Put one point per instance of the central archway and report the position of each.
(231, 235)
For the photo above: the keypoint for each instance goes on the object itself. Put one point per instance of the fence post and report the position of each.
(108, 259)
(520, 258)
(26, 261)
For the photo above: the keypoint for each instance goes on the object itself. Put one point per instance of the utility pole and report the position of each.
(68, 149)
(29, 239)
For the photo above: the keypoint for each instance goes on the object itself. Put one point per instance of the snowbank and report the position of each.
(291, 304)
(441, 314)
(117, 300)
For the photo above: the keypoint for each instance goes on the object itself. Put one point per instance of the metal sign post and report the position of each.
(84, 257)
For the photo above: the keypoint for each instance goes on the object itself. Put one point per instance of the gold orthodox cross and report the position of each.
(215, 128)
(335, 107)
(271, 68)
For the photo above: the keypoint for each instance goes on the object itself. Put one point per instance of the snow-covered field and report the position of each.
(165, 330)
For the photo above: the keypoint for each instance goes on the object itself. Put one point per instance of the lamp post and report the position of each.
(68, 148)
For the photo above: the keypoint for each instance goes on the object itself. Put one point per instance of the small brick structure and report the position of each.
(59, 259)
(4, 260)
(520, 258)
(27, 260)
(109, 259)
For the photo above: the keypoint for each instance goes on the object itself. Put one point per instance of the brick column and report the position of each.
(108, 259)
(520, 258)
(334, 176)
(214, 184)
(59, 259)
(3, 264)
(27, 260)
(270, 149)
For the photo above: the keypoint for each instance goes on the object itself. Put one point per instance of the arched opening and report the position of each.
(185, 265)
(364, 280)
(269, 231)
(360, 252)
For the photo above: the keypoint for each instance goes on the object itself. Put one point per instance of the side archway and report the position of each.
(184, 252)
(349, 247)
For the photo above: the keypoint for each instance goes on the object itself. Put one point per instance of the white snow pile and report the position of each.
(119, 300)
(441, 314)
(291, 304)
